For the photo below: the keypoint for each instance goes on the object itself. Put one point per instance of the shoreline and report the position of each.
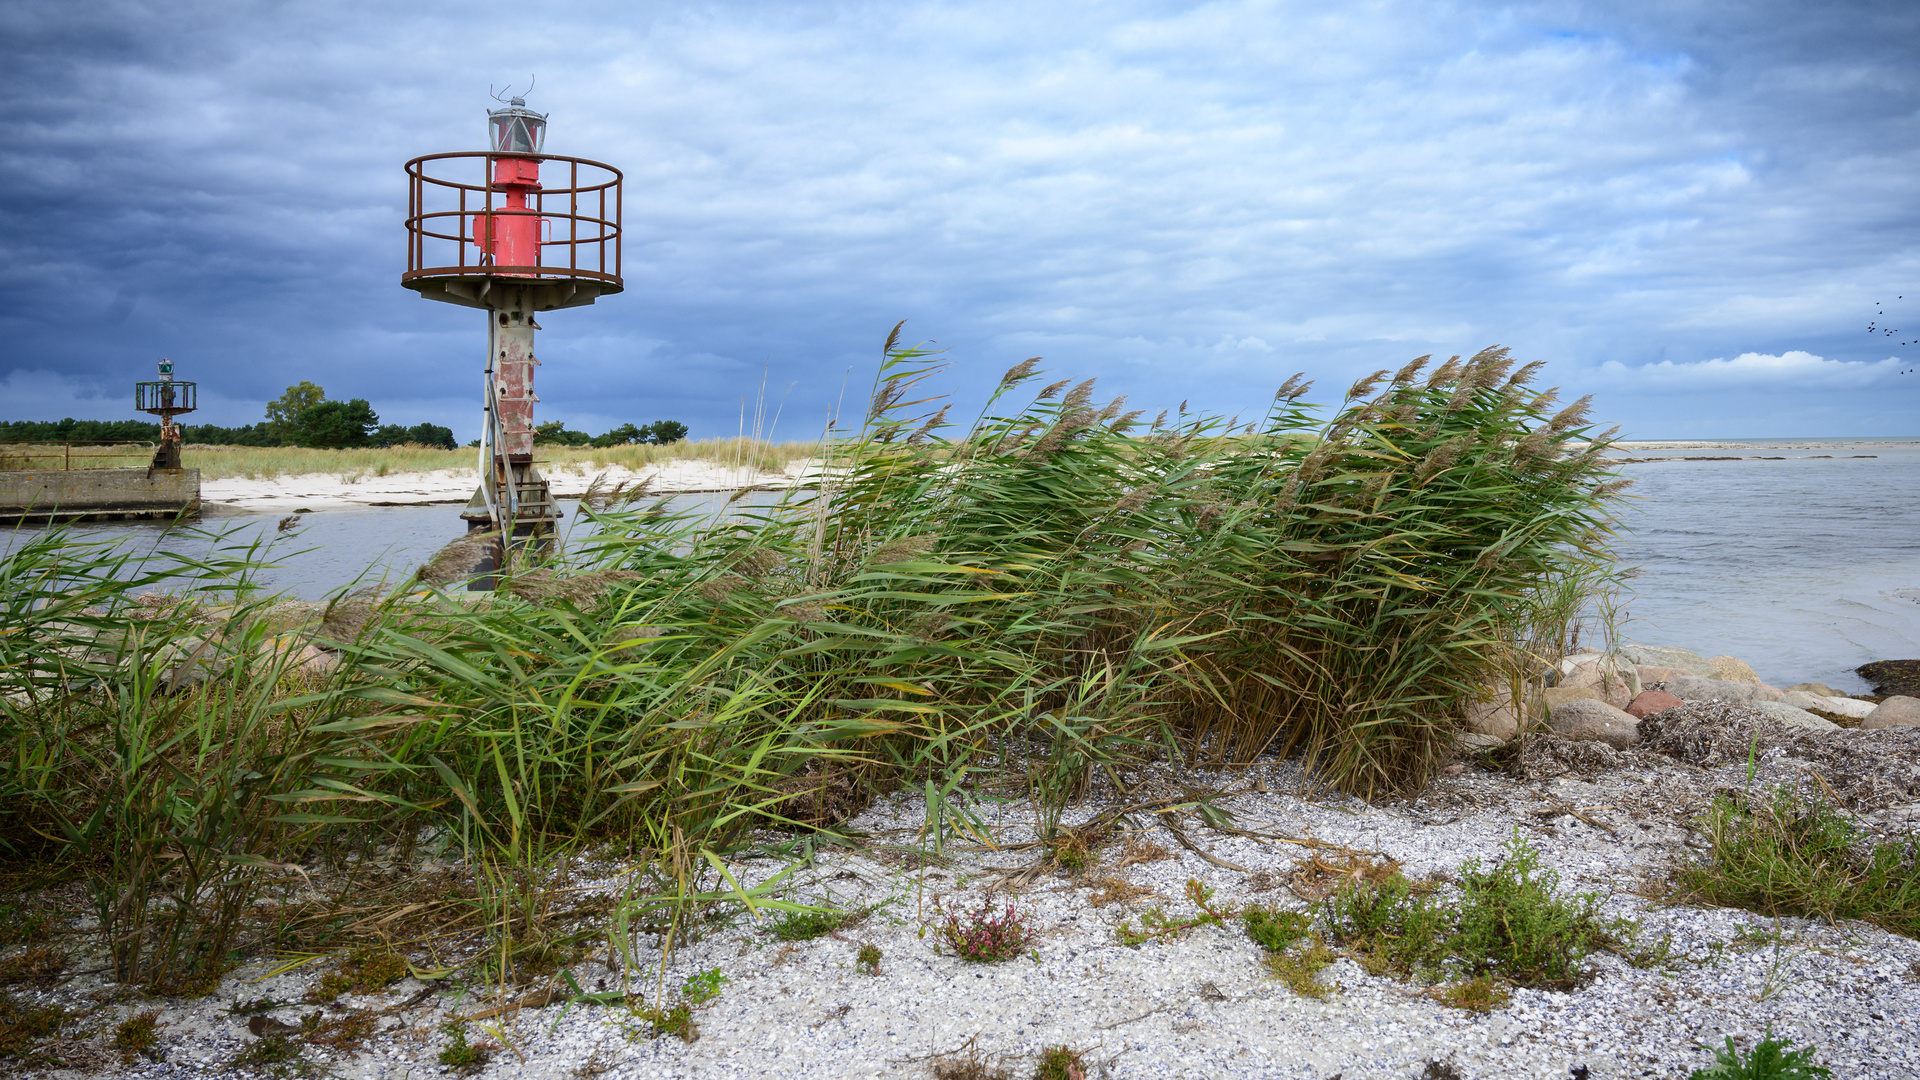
(329, 491)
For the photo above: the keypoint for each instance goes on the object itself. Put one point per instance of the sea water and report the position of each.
(1805, 567)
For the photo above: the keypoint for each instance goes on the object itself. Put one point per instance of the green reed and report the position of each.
(1059, 584)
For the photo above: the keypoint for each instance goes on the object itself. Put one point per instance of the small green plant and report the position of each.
(703, 987)
(807, 925)
(459, 1054)
(984, 937)
(1299, 967)
(1392, 927)
(1754, 936)
(1506, 924)
(1512, 925)
(137, 1034)
(1156, 923)
(1782, 854)
(1075, 853)
(869, 959)
(22, 1024)
(269, 1050)
(1769, 1060)
(1478, 994)
(1060, 1063)
(676, 1019)
(1275, 929)
(23, 923)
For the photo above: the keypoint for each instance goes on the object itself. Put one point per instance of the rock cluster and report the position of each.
(1604, 696)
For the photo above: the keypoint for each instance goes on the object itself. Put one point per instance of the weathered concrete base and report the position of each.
(73, 494)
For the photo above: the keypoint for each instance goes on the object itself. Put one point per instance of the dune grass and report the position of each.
(1059, 580)
(266, 463)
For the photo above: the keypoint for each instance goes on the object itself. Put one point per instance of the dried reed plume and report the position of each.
(1019, 371)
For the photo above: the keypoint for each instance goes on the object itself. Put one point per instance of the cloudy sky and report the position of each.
(1692, 209)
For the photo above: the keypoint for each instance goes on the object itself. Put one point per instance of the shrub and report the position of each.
(1506, 925)
(137, 1034)
(1781, 854)
(1275, 929)
(984, 937)
(1392, 927)
(1511, 925)
(869, 959)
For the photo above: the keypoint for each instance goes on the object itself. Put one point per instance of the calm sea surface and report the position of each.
(1805, 567)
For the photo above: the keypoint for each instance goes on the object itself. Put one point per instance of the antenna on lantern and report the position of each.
(512, 243)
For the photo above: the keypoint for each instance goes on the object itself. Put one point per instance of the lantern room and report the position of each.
(517, 129)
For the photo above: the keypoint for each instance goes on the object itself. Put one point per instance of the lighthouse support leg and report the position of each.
(513, 499)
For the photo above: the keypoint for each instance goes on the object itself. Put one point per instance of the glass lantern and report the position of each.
(517, 129)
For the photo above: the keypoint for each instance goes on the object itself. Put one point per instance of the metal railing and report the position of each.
(75, 454)
(589, 208)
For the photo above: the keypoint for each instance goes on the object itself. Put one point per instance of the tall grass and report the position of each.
(1057, 589)
(266, 463)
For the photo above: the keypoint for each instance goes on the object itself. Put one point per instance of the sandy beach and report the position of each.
(331, 491)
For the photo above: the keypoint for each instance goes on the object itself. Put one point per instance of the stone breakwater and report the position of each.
(1604, 697)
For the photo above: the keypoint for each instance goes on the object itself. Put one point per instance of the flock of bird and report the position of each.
(1887, 331)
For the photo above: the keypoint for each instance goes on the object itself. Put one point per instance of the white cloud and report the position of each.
(1791, 370)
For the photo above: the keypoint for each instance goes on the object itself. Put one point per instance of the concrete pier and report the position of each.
(68, 495)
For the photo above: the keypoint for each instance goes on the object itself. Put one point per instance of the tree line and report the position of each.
(304, 416)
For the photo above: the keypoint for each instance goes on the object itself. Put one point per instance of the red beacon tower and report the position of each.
(512, 245)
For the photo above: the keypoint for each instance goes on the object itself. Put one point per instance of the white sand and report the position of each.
(329, 491)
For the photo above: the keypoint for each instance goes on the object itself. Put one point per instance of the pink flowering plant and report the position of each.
(983, 937)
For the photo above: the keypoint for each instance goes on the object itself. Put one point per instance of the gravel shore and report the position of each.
(1200, 1004)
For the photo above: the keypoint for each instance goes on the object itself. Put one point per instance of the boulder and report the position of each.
(1648, 702)
(1472, 742)
(1555, 696)
(1650, 674)
(1894, 712)
(1615, 680)
(1493, 717)
(1822, 689)
(1662, 656)
(1689, 688)
(1787, 714)
(1801, 699)
(316, 661)
(1596, 721)
(1728, 669)
(1844, 706)
(190, 661)
(289, 615)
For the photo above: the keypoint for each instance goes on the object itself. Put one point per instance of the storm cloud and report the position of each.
(1190, 201)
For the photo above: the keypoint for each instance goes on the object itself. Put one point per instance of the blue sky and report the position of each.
(1692, 210)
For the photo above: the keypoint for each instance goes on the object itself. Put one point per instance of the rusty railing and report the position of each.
(589, 208)
(16, 457)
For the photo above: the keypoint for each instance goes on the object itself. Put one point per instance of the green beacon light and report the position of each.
(166, 398)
